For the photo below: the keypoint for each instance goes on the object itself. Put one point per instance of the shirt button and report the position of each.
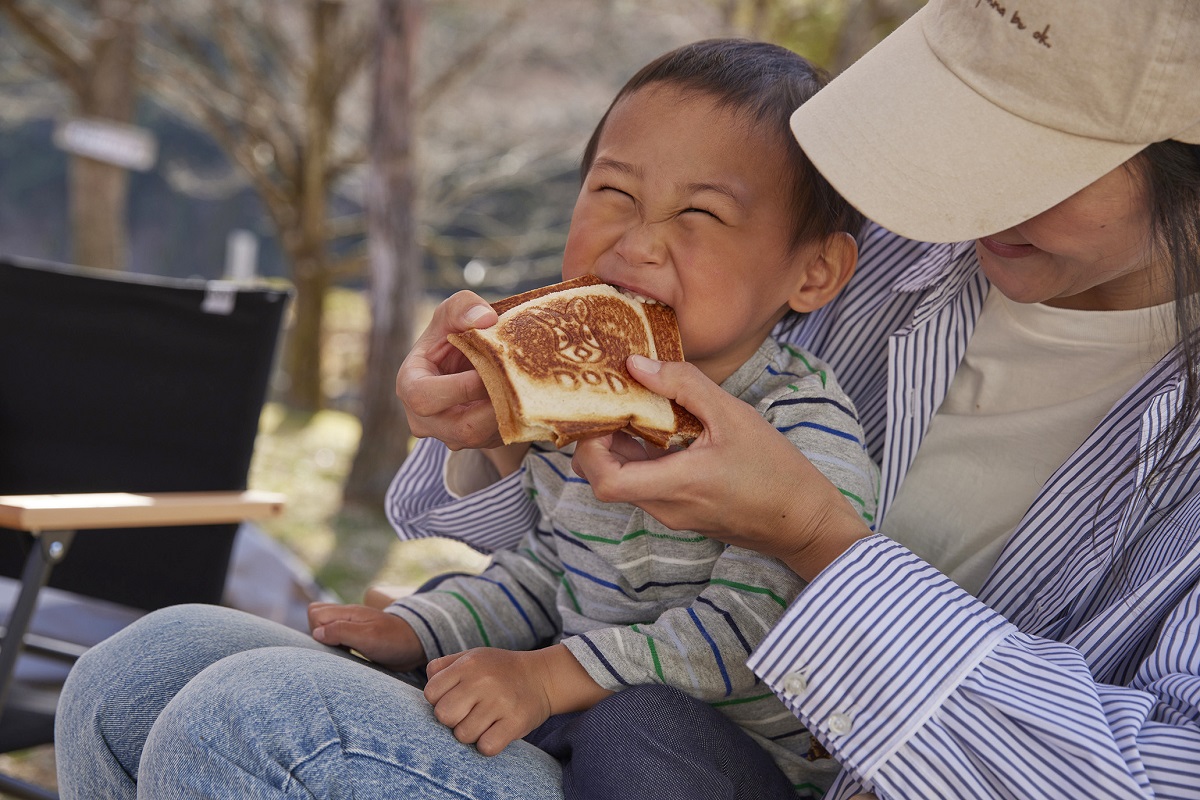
(795, 683)
(840, 724)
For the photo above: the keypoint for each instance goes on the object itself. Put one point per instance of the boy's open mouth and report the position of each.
(632, 295)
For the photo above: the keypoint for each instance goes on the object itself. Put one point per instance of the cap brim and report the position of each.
(921, 153)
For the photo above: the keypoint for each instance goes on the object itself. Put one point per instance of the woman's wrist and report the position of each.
(825, 540)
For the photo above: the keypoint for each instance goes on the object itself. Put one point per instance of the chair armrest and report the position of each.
(46, 512)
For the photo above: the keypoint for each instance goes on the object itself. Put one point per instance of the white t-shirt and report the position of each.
(1034, 382)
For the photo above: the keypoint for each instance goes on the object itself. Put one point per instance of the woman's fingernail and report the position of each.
(644, 364)
(474, 313)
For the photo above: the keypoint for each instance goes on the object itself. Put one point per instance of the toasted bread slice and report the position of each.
(554, 365)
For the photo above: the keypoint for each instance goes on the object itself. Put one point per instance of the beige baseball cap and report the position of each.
(976, 115)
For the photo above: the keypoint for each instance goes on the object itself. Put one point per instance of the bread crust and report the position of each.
(568, 354)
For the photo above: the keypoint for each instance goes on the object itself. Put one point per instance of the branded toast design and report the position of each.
(554, 365)
(586, 355)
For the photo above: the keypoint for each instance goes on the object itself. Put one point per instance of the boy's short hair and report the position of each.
(767, 82)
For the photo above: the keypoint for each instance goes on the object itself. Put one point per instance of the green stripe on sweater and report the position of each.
(478, 622)
(747, 588)
(555, 572)
(861, 505)
(629, 536)
(570, 593)
(653, 653)
(800, 356)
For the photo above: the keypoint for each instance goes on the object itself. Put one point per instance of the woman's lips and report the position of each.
(1008, 250)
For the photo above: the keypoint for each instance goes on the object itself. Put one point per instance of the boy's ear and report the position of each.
(831, 263)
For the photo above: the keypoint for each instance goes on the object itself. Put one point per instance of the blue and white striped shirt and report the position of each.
(1075, 673)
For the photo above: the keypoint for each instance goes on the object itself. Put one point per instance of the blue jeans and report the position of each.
(653, 742)
(207, 702)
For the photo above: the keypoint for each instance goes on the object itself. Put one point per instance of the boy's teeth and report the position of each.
(641, 298)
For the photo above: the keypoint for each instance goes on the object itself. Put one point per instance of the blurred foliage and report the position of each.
(306, 456)
(810, 27)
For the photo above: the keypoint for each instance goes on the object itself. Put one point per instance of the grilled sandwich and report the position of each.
(554, 365)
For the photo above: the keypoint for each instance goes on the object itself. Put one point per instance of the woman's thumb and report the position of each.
(679, 381)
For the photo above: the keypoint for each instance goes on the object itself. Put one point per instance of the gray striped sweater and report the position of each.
(636, 602)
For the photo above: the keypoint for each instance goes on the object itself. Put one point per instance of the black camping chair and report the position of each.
(141, 389)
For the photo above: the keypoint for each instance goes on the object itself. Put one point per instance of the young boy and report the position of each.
(683, 202)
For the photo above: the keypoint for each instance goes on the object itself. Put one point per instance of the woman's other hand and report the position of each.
(443, 395)
(741, 482)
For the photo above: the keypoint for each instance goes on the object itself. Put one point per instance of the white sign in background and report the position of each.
(125, 146)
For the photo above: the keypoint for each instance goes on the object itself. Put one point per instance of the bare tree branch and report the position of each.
(48, 38)
(469, 59)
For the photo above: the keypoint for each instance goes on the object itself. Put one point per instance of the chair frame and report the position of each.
(55, 519)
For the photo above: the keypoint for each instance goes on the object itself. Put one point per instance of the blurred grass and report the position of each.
(307, 457)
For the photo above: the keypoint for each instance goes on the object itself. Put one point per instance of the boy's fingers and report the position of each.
(439, 664)
(625, 448)
(451, 711)
(335, 633)
(473, 725)
(459, 312)
(500, 735)
(321, 613)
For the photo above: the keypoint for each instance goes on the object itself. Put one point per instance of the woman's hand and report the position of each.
(382, 637)
(443, 395)
(741, 482)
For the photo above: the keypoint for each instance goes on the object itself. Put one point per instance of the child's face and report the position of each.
(688, 204)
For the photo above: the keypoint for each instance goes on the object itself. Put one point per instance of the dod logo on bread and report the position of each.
(554, 365)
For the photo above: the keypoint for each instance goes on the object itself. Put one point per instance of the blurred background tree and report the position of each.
(93, 57)
(383, 154)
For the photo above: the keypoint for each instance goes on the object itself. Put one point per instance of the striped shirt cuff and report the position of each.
(419, 505)
(871, 649)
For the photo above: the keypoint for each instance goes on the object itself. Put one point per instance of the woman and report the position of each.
(1033, 396)
(1075, 671)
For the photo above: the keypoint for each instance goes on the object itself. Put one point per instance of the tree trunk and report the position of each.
(394, 260)
(302, 348)
(99, 192)
(310, 267)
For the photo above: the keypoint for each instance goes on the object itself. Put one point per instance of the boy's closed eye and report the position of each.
(705, 211)
(621, 194)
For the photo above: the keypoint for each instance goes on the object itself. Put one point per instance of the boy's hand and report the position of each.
(492, 697)
(381, 637)
(443, 395)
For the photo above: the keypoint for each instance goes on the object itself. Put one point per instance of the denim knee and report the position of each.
(286, 722)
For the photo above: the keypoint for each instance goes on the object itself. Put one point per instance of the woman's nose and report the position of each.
(642, 243)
